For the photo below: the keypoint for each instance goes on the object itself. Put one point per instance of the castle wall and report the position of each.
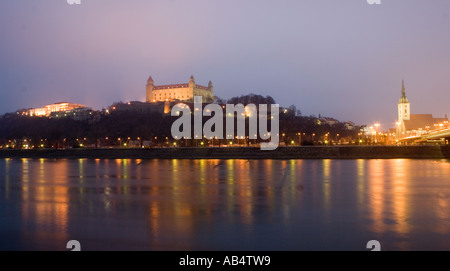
(170, 94)
(207, 95)
(182, 92)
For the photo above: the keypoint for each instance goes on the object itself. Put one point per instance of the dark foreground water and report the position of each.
(224, 204)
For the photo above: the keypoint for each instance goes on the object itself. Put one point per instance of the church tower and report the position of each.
(404, 107)
(150, 86)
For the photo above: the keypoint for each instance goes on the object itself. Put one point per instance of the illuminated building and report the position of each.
(181, 92)
(52, 108)
(415, 124)
(79, 114)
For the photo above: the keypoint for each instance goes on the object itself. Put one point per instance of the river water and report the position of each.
(129, 204)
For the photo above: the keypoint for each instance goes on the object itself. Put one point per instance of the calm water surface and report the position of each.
(224, 204)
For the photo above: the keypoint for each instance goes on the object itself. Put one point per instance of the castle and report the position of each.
(180, 92)
(414, 124)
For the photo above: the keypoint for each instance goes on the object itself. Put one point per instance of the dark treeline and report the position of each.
(106, 129)
(139, 129)
(251, 99)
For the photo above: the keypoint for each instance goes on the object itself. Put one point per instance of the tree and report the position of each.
(251, 99)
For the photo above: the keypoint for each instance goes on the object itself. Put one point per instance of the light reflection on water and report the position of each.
(127, 204)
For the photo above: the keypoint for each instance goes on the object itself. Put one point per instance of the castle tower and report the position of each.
(404, 107)
(192, 82)
(210, 86)
(150, 87)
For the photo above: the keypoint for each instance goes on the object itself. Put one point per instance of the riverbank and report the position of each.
(301, 152)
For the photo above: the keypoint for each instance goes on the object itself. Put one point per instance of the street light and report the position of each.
(376, 132)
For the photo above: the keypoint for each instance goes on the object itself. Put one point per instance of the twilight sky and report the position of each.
(340, 58)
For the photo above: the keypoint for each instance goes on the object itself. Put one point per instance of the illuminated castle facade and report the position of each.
(180, 92)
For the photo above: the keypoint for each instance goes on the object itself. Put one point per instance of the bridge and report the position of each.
(431, 136)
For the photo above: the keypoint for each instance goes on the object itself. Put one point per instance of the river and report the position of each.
(234, 204)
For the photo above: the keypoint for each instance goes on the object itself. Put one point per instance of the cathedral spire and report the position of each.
(403, 99)
(403, 89)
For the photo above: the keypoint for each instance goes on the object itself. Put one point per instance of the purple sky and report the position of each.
(339, 58)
